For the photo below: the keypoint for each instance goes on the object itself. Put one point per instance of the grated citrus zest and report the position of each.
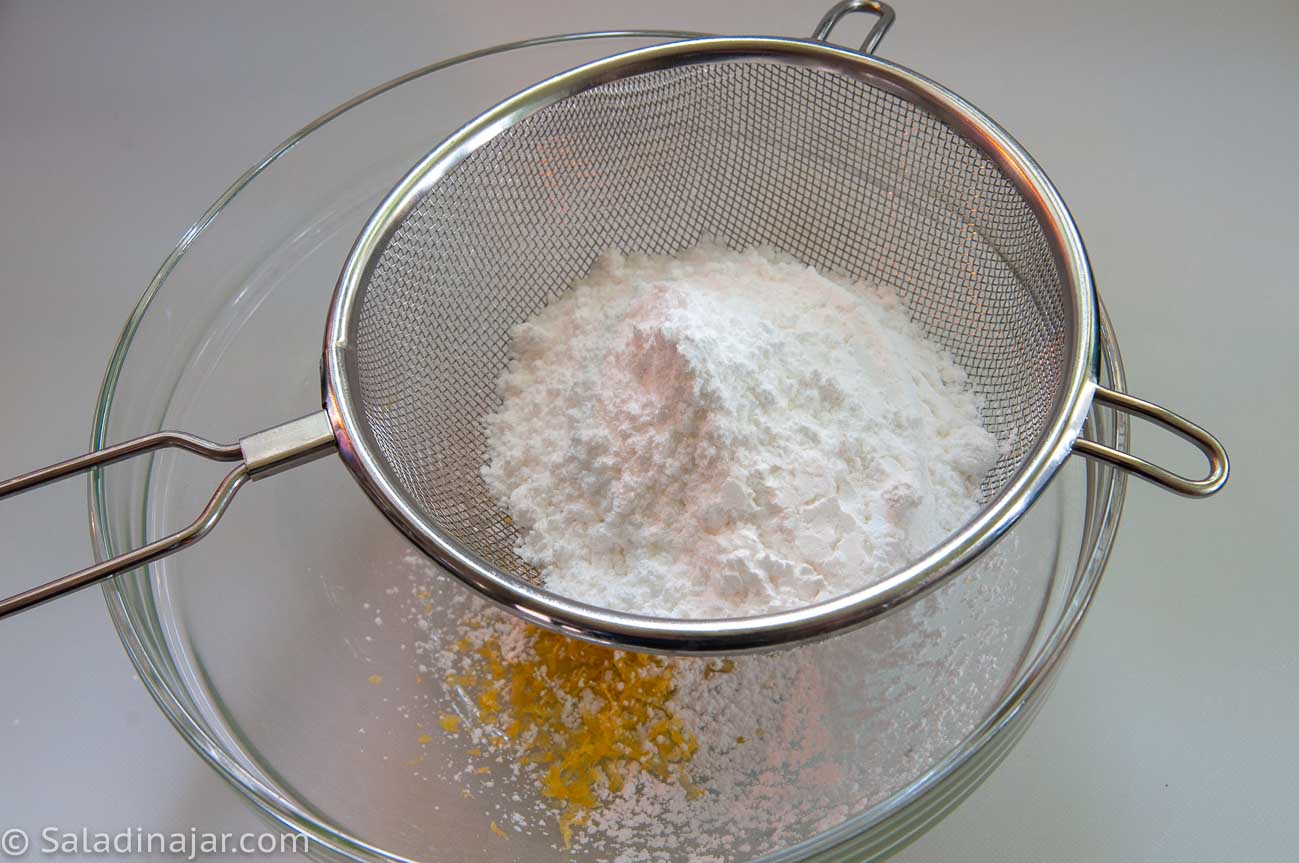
(585, 715)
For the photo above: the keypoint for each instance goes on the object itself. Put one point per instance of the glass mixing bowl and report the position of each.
(286, 651)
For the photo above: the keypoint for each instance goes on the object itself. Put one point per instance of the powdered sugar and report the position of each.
(788, 744)
(718, 433)
(723, 433)
(768, 765)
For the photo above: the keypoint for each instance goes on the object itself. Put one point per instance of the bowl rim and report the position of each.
(1105, 495)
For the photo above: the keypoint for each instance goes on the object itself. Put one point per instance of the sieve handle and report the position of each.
(261, 454)
(1219, 467)
(847, 7)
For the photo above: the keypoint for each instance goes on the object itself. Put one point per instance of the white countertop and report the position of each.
(1170, 127)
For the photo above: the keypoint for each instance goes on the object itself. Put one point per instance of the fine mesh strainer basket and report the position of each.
(847, 162)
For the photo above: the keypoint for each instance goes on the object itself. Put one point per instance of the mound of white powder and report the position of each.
(721, 433)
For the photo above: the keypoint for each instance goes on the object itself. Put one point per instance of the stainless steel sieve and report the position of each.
(850, 163)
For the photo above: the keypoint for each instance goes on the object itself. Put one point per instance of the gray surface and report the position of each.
(1170, 129)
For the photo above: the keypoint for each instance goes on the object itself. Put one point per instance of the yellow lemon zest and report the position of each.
(584, 714)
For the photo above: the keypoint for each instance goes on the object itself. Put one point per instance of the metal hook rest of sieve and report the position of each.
(848, 162)
(1219, 466)
(884, 11)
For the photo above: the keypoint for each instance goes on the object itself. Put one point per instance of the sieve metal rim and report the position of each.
(358, 448)
(336, 427)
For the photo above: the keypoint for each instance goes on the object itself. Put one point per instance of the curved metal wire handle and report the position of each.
(1219, 466)
(847, 7)
(260, 455)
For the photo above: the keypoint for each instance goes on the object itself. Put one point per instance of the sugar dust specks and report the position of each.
(771, 749)
(629, 756)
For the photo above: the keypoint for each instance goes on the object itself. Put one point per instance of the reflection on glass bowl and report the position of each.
(288, 649)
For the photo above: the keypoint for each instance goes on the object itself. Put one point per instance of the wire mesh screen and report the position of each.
(840, 174)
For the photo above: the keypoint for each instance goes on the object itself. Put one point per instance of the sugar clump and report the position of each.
(723, 433)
